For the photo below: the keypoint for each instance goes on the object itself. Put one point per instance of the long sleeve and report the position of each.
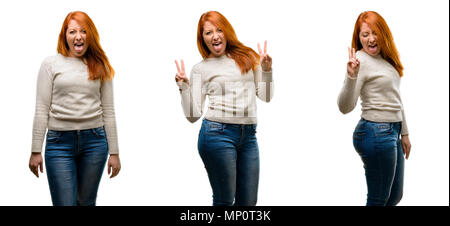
(263, 84)
(192, 96)
(109, 118)
(43, 101)
(349, 94)
(405, 130)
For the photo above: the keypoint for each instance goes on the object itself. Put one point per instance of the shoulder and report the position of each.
(362, 56)
(50, 62)
(51, 59)
(198, 67)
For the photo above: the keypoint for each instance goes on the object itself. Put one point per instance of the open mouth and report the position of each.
(217, 46)
(373, 48)
(79, 47)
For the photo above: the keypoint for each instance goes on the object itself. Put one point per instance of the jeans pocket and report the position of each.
(359, 135)
(99, 132)
(383, 129)
(213, 128)
(360, 130)
(53, 136)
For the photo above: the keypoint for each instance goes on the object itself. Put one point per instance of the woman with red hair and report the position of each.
(381, 136)
(74, 101)
(231, 75)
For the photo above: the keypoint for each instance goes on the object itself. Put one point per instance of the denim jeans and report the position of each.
(380, 148)
(231, 158)
(75, 161)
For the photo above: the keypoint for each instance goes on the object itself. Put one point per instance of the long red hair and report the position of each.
(245, 57)
(385, 40)
(97, 62)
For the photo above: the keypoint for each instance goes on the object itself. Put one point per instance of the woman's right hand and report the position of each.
(352, 64)
(181, 74)
(36, 163)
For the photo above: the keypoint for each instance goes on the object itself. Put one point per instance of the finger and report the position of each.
(178, 66)
(405, 150)
(259, 50)
(41, 166)
(349, 53)
(353, 63)
(182, 66)
(265, 46)
(409, 151)
(109, 168)
(34, 171)
(354, 53)
(115, 171)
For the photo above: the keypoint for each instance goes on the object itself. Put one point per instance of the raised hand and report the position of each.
(266, 60)
(353, 63)
(181, 74)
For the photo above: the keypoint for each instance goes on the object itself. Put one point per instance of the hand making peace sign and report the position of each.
(266, 60)
(353, 63)
(181, 74)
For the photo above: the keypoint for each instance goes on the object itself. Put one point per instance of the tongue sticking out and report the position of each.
(373, 49)
(218, 47)
(79, 48)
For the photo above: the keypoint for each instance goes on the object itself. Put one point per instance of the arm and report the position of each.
(192, 96)
(109, 121)
(349, 95)
(263, 84)
(263, 75)
(44, 91)
(352, 86)
(406, 144)
(109, 118)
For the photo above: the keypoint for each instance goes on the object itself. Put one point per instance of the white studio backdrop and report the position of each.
(306, 151)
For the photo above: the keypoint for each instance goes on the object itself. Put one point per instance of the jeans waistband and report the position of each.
(231, 125)
(77, 131)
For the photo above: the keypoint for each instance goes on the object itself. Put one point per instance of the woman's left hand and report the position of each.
(266, 60)
(406, 145)
(113, 165)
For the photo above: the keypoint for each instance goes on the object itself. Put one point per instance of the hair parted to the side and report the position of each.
(97, 62)
(385, 40)
(245, 57)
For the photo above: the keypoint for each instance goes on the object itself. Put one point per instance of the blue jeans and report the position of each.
(380, 148)
(231, 158)
(75, 161)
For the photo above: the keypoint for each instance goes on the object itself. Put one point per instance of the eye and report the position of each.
(208, 33)
(219, 30)
(72, 32)
(83, 31)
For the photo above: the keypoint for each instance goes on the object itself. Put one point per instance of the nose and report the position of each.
(215, 36)
(78, 36)
(371, 38)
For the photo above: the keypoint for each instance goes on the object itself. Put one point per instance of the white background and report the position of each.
(307, 156)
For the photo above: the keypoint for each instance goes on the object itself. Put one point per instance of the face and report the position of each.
(76, 39)
(368, 39)
(214, 39)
